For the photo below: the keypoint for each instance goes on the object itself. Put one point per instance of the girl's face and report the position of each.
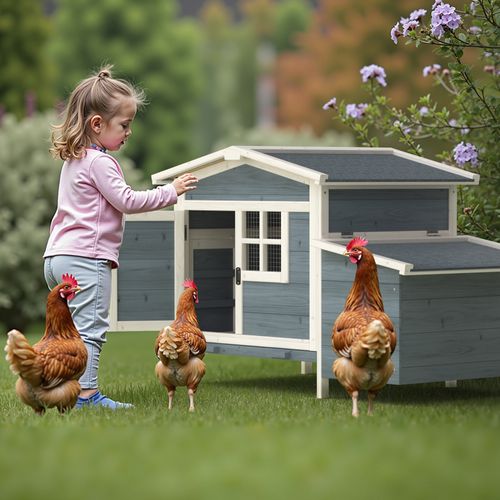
(112, 134)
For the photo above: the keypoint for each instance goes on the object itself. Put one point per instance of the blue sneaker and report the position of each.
(98, 399)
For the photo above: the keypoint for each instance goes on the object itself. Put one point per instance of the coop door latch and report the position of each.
(237, 275)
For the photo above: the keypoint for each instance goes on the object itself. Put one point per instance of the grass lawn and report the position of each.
(258, 432)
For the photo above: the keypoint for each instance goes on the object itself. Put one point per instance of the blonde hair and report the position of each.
(97, 94)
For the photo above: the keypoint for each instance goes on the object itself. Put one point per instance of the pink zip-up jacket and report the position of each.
(93, 196)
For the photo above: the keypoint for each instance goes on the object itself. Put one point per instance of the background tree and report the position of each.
(149, 46)
(284, 137)
(26, 74)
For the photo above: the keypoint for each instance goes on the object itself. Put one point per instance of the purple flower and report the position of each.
(475, 30)
(464, 153)
(464, 130)
(453, 123)
(424, 111)
(395, 33)
(431, 70)
(373, 71)
(409, 25)
(331, 104)
(356, 111)
(444, 17)
(473, 7)
(436, 3)
(416, 15)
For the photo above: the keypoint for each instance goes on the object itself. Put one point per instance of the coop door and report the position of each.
(143, 292)
(211, 244)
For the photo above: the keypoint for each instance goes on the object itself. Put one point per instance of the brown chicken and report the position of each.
(49, 371)
(181, 347)
(363, 334)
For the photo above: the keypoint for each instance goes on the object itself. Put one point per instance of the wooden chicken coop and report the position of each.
(263, 237)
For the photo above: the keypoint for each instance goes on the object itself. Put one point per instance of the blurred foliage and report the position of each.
(230, 61)
(28, 194)
(151, 48)
(27, 72)
(345, 35)
(284, 137)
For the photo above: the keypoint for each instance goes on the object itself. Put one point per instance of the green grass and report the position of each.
(258, 432)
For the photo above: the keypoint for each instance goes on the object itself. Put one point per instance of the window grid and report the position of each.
(262, 241)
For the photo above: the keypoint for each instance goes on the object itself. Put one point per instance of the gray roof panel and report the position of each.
(366, 167)
(440, 256)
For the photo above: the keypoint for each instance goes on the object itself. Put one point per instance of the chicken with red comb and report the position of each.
(180, 348)
(49, 370)
(363, 334)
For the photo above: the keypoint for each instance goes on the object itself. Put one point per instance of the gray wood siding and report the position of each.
(337, 278)
(354, 210)
(146, 272)
(282, 309)
(450, 327)
(249, 183)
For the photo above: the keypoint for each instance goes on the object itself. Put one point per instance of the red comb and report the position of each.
(189, 283)
(69, 278)
(356, 242)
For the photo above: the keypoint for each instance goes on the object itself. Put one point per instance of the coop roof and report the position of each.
(372, 165)
(457, 254)
(331, 165)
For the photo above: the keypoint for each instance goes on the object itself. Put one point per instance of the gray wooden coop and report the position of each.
(263, 237)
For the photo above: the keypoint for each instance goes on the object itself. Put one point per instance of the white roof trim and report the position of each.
(236, 153)
(400, 266)
(406, 268)
(439, 166)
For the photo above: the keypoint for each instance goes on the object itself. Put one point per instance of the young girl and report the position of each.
(87, 229)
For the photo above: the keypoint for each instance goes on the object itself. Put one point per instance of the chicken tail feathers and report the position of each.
(172, 346)
(22, 358)
(376, 340)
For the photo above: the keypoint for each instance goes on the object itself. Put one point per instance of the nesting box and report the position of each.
(263, 237)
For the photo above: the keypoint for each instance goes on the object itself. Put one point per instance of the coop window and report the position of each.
(264, 245)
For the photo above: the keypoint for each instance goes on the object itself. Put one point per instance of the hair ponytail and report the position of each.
(97, 94)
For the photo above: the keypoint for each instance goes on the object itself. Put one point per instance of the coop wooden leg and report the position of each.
(306, 367)
(322, 387)
(450, 383)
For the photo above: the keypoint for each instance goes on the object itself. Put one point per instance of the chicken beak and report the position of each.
(346, 254)
(76, 289)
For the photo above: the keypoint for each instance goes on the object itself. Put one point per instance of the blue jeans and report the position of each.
(89, 308)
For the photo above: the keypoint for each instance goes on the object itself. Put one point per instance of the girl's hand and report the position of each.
(185, 182)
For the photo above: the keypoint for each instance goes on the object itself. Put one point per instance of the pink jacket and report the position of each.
(93, 196)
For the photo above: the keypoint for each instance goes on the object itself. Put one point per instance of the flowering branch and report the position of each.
(474, 131)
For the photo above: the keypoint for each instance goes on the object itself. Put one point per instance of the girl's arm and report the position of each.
(108, 179)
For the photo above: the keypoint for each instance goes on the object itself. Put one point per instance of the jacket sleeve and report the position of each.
(108, 178)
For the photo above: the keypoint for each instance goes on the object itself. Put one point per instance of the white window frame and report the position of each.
(262, 276)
